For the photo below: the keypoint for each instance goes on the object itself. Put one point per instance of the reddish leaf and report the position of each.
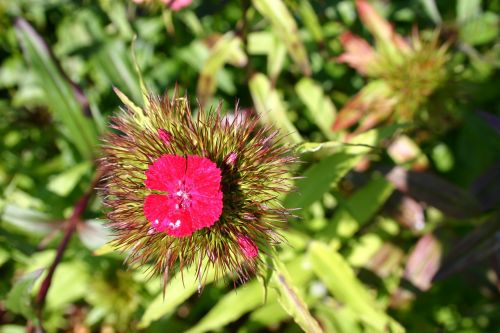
(358, 53)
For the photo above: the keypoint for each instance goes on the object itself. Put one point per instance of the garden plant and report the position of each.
(249, 166)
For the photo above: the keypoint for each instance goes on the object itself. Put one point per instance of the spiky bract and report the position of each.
(254, 173)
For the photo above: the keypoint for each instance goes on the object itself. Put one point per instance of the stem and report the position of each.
(72, 222)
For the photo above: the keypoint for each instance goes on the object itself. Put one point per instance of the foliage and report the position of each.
(398, 191)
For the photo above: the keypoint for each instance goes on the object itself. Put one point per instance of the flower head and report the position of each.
(404, 76)
(186, 190)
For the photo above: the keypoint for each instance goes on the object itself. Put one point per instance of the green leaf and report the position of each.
(367, 201)
(319, 178)
(267, 43)
(320, 107)
(6, 328)
(315, 147)
(432, 10)
(178, 290)
(69, 284)
(285, 27)
(276, 58)
(227, 49)
(271, 314)
(467, 9)
(231, 307)
(340, 319)
(19, 298)
(118, 15)
(59, 95)
(65, 182)
(4, 256)
(311, 20)
(113, 59)
(358, 209)
(480, 30)
(341, 281)
(270, 107)
(290, 299)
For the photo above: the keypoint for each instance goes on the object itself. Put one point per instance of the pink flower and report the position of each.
(193, 198)
(177, 4)
(247, 246)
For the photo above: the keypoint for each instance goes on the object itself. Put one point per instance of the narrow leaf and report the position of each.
(227, 49)
(231, 307)
(358, 209)
(179, 289)
(60, 97)
(320, 107)
(286, 28)
(290, 299)
(468, 9)
(432, 10)
(270, 106)
(319, 178)
(341, 281)
(19, 298)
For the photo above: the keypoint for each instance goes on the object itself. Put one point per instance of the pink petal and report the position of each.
(194, 198)
(165, 173)
(160, 211)
(204, 174)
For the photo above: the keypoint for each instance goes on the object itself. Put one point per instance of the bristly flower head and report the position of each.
(406, 76)
(201, 190)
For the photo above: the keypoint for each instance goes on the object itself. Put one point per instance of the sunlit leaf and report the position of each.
(285, 27)
(291, 300)
(320, 107)
(227, 49)
(271, 108)
(231, 307)
(319, 178)
(178, 290)
(341, 281)
(19, 298)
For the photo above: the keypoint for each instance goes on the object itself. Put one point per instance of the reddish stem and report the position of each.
(72, 222)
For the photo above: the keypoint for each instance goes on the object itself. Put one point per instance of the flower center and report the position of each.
(182, 196)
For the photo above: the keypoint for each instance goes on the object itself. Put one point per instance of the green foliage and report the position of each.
(396, 214)
(18, 300)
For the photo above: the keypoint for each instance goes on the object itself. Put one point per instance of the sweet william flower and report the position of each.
(203, 191)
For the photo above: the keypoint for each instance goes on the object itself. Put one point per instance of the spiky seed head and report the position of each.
(204, 190)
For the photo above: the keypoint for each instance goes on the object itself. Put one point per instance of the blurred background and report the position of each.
(393, 107)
